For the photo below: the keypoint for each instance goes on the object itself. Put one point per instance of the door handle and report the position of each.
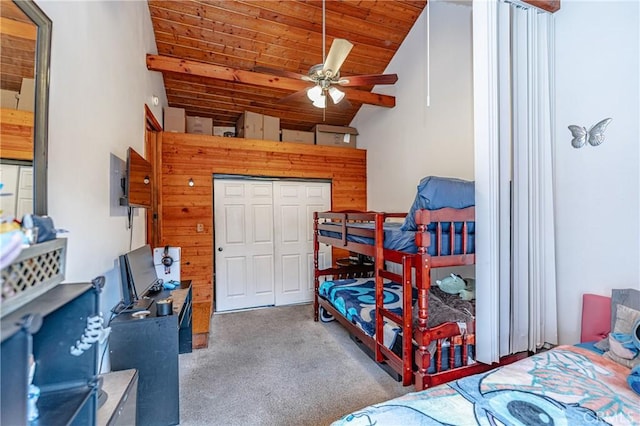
(219, 248)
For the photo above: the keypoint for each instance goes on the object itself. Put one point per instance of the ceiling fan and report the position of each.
(326, 76)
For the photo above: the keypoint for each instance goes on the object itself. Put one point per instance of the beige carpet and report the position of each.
(276, 366)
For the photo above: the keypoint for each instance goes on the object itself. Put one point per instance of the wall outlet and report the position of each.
(199, 227)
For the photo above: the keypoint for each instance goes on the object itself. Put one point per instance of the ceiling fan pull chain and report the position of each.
(428, 54)
(324, 33)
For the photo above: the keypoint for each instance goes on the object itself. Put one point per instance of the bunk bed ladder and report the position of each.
(379, 266)
(405, 321)
(316, 274)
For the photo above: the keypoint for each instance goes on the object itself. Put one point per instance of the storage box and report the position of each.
(8, 99)
(249, 125)
(252, 125)
(298, 136)
(335, 135)
(200, 125)
(174, 120)
(224, 131)
(27, 97)
(270, 128)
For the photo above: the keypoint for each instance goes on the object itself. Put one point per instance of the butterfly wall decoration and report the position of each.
(594, 136)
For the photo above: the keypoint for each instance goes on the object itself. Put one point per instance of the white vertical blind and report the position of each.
(534, 230)
(520, 122)
(505, 152)
(486, 130)
(515, 244)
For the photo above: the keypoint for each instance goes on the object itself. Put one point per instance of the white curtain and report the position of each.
(534, 272)
(515, 246)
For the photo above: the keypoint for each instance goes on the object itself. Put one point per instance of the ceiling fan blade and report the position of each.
(368, 80)
(294, 97)
(280, 73)
(339, 51)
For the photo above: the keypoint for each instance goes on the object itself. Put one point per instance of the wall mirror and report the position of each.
(25, 39)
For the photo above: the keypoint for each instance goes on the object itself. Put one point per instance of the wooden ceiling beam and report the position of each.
(182, 66)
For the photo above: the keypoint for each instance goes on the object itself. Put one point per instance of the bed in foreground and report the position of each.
(564, 386)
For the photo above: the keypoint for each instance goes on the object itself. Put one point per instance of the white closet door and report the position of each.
(293, 205)
(24, 201)
(9, 179)
(244, 250)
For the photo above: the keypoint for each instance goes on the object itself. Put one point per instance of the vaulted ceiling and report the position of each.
(220, 58)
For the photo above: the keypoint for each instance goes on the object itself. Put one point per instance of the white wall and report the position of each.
(99, 85)
(597, 188)
(412, 140)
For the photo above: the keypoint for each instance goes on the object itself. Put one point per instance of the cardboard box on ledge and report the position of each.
(344, 137)
(252, 125)
(200, 125)
(27, 96)
(174, 120)
(9, 99)
(298, 136)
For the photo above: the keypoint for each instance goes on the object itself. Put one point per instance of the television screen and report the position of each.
(138, 181)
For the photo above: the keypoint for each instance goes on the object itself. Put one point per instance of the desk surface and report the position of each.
(179, 297)
(116, 384)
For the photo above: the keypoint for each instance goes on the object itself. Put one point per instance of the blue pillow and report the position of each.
(438, 192)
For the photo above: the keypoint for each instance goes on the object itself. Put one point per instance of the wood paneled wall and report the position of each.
(181, 207)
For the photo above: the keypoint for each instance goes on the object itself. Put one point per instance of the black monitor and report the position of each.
(138, 275)
(128, 296)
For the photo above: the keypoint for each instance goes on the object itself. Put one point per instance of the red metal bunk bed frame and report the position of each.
(422, 262)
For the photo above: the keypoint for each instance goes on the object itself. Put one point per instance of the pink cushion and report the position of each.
(596, 317)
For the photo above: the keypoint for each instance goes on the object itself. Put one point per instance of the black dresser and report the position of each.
(151, 345)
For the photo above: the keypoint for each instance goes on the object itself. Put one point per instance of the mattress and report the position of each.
(563, 386)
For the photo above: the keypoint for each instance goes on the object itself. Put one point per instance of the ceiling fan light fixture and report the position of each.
(315, 93)
(321, 102)
(336, 94)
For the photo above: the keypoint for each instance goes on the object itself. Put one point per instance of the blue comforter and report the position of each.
(433, 193)
(563, 386)
(395, 238)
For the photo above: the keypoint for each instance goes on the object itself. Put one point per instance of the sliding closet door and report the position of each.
(293, 207)
(244, 249)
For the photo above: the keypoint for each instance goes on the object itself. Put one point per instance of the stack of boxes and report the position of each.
(176, 120)
(252, 125)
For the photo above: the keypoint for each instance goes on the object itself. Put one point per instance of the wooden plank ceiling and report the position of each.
(18, 41)
(241, 36)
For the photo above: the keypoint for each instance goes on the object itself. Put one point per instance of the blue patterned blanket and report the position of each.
(355, 300)
(563, 386)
